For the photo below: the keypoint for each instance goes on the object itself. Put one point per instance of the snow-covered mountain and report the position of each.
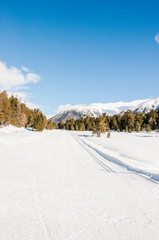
(67, 112)
(146, 106)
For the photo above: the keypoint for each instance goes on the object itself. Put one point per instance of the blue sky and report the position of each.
(81, 51)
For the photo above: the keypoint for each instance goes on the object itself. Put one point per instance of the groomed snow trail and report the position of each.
(54, 187)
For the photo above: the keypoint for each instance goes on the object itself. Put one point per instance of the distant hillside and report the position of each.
(146, 106)
(96, 109)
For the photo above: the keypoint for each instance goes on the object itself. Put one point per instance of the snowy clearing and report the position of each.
(61, 185)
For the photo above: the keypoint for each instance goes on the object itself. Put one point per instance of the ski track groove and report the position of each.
(40, 204)
(108, 169)
(146, 175)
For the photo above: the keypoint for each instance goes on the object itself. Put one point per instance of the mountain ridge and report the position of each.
(66, 112)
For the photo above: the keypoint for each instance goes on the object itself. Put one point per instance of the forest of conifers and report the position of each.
(122, 122)
(12, 111)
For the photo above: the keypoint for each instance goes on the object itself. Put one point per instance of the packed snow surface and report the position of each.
(69, 185)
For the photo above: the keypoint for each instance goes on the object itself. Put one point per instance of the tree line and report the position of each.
(12, 111)
(126, 122)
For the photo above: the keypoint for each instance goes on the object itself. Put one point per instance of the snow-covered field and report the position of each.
(136, 151)
(61, 185)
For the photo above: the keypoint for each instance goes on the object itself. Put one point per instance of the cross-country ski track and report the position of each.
(54, 186)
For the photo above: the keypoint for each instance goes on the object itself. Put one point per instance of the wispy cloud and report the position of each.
(21, 88)
(11, 77)
(25, 69)
(157, 38)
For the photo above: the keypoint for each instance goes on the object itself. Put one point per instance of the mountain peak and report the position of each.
(66, 112)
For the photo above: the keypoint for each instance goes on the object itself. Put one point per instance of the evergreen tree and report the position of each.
(152, 119)
(18, 117)
(81, 126)
(72, 127)
(113, 123)
(60, 125)
(50, 125)
(137, 126)
(76, 127)
(39, 122)
(148, 128)
(29, 115)
(6, 110)
(101, 126)
(128, 121)
(139, 118)
(67, 125)
(1, 109)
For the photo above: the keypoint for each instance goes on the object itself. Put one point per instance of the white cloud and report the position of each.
(32, 77)
(25, 69)
(15, 80)
(157, 38)
(21, 88)
(24, 98)
(11, 77)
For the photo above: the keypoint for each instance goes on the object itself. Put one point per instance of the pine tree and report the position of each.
(130, 130)
(113, 123)
(139, 118)
(6, 110)
(148, 128)
(152, 119)
(72, 127)
(81, 127)
(88, 126)
(76, 127)
(50, 125)
(67, 125)
(137, 126)
(39, 122)
(101, 126)
(28, 113)
(126, 128)
(60, 125)
(1, 109)
(18, 117)
(128, 120)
